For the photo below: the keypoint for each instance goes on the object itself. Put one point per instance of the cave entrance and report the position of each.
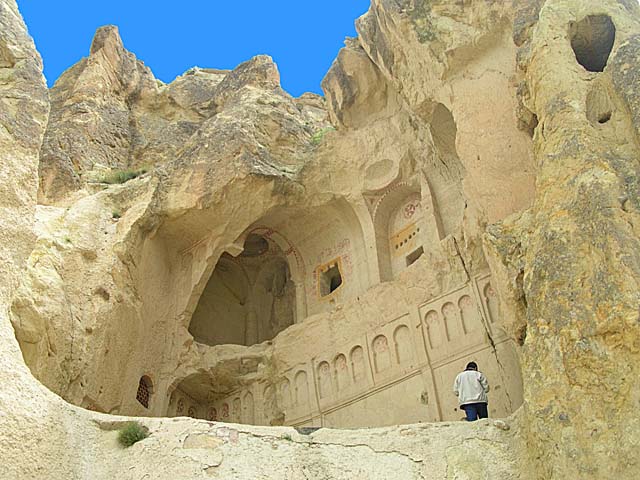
(249, 299)
(592, 39)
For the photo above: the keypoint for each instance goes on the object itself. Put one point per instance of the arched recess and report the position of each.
(445, 182)
(403, 227)
(592, 40)
(291, 254)
(274, 279)
(210, 395)
(324, 247)
(221, 314)
(195, 396)
(249, 299)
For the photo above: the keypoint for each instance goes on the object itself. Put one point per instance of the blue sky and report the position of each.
(302, 36)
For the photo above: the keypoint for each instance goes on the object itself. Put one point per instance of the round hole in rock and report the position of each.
(592, 39)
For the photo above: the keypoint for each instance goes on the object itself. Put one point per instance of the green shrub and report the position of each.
(317, 137)
(116, 214)
(131, 433)
(121, 176)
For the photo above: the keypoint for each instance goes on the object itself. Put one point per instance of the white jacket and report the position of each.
(471, 387)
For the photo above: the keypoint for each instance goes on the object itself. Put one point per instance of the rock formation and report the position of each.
(467, 189)
(577, 247)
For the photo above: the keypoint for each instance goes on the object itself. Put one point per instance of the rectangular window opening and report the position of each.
(330, 280)
(415, 255)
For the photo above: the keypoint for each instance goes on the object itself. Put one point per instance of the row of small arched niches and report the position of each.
(240, 410)
(346, 374)
(341, 373)
(455, 320)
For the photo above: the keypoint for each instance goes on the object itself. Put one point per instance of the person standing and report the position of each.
(471, 388)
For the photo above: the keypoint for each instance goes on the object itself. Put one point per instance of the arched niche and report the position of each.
(199, 395)
(248, 299)
(191, 396)
(221, 315)
(444, 170)
(325, 250)
(404, 226)
(592, 40)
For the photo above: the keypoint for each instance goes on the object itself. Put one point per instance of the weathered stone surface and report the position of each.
(23, 115)
(576, 254)
(525, 17)
(91, 116)
(235, 451)
(272, 268)
(626, 76)
(33, 440)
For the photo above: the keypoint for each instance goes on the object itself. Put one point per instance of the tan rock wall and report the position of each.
(434, 108)
(574, 269)
(399, 371)
(177, 223)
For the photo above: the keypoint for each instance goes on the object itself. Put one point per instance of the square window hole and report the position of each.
(415, 255)
(330, 280)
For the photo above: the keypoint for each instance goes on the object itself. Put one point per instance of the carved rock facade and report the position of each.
(466, 190)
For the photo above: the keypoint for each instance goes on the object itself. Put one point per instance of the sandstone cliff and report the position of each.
(573, 257)
(464, 152)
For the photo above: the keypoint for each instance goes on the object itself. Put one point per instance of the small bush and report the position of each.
(131, 433)
(116, 214)
(317, 137)
(121, 176)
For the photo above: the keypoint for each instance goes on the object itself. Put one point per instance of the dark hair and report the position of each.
(472, 366)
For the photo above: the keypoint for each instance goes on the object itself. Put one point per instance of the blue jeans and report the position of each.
(475, 411)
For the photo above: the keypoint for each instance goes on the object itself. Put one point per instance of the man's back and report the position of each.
(471, 386)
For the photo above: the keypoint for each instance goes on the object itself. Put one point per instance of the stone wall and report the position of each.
(399, 372)
(357, 251)
(474, 198)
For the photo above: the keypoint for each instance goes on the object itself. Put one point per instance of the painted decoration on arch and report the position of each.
(236, 409)
(410, 208)
(285, 393)
(358, 364)
(270, 401)
(212, 414)
(469, 314)
(435, 330)
(453, 325)
(491, 300)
